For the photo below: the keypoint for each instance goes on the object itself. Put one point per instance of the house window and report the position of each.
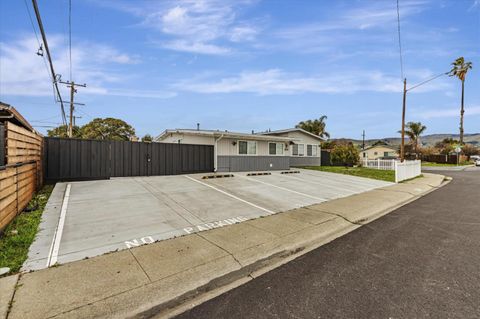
(275, 148)
(311, 150)
(301, 150)
(375, 153)
(385, 154)
(247, 147)
(364, 154)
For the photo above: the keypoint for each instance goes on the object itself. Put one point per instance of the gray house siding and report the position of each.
(304, 161)
(252, 163)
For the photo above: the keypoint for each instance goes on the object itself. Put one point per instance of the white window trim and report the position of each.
(238, 148)
(304, 150)
(276, 143)
(313, 146)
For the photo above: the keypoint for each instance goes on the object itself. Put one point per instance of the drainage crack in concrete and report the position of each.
(338, 215)
(10, 303)
(140, 265)
(235, 258)
(95, 301)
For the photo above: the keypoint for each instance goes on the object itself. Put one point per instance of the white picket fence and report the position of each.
(407, 170)
(385, 165)
(403, 171)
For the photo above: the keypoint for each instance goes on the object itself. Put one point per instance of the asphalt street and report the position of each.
(420, 261)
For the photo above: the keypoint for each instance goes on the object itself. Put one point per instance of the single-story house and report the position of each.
(306, 149)
(378, 152)
(249, 152)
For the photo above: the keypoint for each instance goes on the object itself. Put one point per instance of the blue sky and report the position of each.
(247, 64)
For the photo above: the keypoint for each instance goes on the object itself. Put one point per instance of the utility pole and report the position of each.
(49, 57)
(74, 120)
(402, 148)
(73, 90)
(363, 140)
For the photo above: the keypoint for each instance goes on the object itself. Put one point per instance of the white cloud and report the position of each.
(243, 33)
(23, 73)
(202, 26)
(475, 4)
(195, 47)
(451, 112)
(276, 81)
(347, 28)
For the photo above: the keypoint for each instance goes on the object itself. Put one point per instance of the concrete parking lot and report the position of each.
(86, 219)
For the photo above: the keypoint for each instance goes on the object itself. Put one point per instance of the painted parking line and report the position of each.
(57, 237)
(323, 184)
(285, 189)
(232, 196)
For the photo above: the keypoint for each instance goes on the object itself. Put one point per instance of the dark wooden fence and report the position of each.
(78, 159)
(325, 158)
(443, 159)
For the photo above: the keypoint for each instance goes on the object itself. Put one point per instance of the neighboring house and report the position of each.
(379, 152)
(237, 151)
(305, 150)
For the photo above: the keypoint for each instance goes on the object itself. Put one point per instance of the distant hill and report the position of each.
(426, 140)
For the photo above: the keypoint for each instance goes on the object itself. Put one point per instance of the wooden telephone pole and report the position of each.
(73, 90)
(363, 140)
(402, 148)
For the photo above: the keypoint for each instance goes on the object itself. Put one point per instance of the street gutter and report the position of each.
(166, 278)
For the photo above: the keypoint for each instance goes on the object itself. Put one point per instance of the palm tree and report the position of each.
(413, 131)
(459, 70)
(316, 126)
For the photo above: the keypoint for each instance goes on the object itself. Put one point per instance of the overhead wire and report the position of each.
(49, 57)
(85, 113)
(400, 41)
(426, 81)
(39, 46)
(70, 36)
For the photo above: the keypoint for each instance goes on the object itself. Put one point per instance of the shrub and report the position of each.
(345, 154)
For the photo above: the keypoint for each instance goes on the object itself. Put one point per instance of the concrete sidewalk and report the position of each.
(173, 274)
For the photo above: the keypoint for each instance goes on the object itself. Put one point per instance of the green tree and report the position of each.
(447, 145)
(61, 131)
(316, 126)
(413, 131)
(108, 129)
(469, 150)
(328, 145)
(459, 70)
(147, 138)
(345, 154)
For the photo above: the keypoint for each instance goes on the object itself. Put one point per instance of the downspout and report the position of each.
(215, 153)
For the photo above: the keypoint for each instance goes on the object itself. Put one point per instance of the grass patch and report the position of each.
(388, 176)
(444, 164)
(20, 233)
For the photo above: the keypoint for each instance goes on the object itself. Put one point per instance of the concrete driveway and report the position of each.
(86, 219)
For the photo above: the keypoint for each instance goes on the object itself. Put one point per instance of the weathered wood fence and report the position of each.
(21, 172)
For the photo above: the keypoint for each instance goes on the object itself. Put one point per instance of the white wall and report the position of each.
(226, 147)
(302, 139)
(188, 139)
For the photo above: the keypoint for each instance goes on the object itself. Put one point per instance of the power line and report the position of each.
(49, 57)
(70, 36)
(399, 41)
(40, 48)
(426, 81)
(85, 113)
